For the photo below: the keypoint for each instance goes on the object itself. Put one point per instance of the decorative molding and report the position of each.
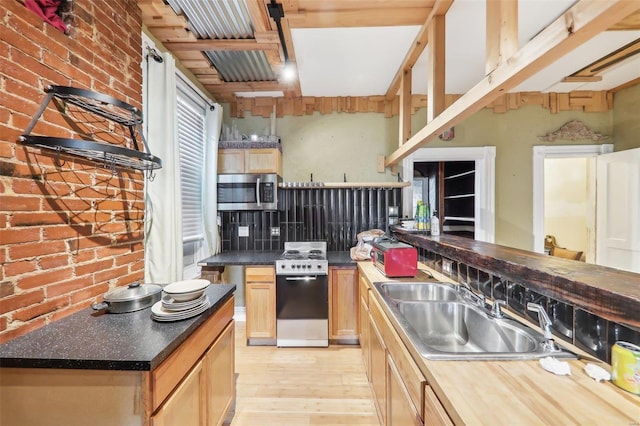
(586, 101)
(573, 130)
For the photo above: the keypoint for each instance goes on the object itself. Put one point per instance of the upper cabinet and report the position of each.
(253, 160)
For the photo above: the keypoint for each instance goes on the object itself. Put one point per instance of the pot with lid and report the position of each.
(132, 298)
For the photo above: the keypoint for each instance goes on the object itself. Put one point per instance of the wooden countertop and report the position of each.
(519, 392)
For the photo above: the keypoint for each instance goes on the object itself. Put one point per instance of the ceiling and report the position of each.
(356, 47)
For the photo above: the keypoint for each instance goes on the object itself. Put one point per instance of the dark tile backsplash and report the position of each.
(591, 333)
(335, 215)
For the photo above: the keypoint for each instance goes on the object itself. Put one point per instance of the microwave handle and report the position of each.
(258, 192)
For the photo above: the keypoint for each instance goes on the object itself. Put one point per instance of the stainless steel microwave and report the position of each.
(248, 192)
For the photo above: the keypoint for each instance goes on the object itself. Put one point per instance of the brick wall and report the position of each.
(69, 228)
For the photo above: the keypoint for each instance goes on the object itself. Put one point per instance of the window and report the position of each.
(191, 110)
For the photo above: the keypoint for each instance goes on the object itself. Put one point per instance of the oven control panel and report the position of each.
(301, 267)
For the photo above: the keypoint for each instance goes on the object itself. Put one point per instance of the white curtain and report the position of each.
(209, 181)
(163, 208)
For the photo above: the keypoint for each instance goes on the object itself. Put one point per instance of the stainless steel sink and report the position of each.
(419, 291)
(454, 329)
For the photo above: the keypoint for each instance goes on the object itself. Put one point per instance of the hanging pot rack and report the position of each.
(110, 155)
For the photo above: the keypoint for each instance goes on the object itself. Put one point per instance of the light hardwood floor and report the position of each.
(300, 386)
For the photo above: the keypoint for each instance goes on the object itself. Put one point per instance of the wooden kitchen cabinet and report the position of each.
(258, 160)
(400, 410)
(344, 302)
(434, 412)
(260, 291)
(186, 404)
(220, 377)
(378, 378)
(194, 385)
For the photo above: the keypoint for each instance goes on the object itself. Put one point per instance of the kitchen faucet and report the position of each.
(545, 325)
(467, 292)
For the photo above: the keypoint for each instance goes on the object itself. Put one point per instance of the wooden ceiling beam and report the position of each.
(248, 86)
(359, 17)
(220, 44)
(502, 32)
(417, 47)
(405, 108)
(630, 23)
(437, 66)
(581, 22)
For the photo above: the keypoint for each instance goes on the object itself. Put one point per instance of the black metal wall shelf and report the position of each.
(110, 155)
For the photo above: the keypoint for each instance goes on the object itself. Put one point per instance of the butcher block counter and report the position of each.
(486, 392)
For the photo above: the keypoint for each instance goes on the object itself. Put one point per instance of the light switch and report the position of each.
(243, 231)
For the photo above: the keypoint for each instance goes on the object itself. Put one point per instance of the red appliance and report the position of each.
(395, 259)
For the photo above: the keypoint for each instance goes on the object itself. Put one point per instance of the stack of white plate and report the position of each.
(181, 300)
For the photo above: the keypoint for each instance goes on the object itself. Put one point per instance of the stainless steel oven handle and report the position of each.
(258, 191)
(304, 278)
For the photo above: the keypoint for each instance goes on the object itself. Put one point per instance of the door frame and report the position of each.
(485, 162)
(540, 153)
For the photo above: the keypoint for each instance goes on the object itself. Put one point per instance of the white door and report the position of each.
(618, 210)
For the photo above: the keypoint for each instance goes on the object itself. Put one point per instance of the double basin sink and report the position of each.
(443, 323)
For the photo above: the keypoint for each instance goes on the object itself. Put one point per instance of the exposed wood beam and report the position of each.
(625, 85)
(378, 17)
(597, 67)
(436, 78)
(249, 86)
(417, 47)
(502, 32)
(405, 108)
(631, 22)
(220, 44)
(584, 20)
(258, 13)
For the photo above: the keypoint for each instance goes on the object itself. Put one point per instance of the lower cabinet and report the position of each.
(365, 338)
(344, 302)
(400, 410)
(378, 377)
(434, 412)
(194, 385)
(260, 297)
(186, 405)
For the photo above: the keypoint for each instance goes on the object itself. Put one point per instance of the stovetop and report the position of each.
(308, 257)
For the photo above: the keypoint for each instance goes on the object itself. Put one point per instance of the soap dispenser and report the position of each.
(435, 224)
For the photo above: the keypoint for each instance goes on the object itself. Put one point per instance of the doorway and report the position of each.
(484, 185)
(569, 203)
(540, 155)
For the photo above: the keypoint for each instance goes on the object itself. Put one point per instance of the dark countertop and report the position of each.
(93, 340)
(257, 257)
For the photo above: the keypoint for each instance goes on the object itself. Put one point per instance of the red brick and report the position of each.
(22, 13)
(137, 276)
(67, 231)
(6, 288)
(44, 308)
(3, 323)
(13, 269)
(44, 278)
(84, 256)
(129, 258)
(12, 303)
(20, 73)
(23, 90)
(22, 330)
(22, 203)
(96, 217)
(22, 28)
(67, 205)
(15, 236)
(89, 292)
(6, 148)
(110, 274)
(55, 261)
(38, 219)
(20, 42)
(68, 286)
(62, 313)
(93, 267)
(70, 177)
(42, 69)
(36, 249)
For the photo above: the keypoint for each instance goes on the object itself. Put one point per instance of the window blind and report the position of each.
(191, 137)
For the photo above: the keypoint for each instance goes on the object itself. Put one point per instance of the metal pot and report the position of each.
(128, 299)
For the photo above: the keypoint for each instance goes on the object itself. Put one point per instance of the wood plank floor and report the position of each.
(300, 386)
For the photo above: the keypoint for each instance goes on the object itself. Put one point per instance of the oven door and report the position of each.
(302, 311)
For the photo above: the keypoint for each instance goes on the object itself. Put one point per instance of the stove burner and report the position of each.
(315, 251)
(292, 251)
(292, 254)
(316, 256)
